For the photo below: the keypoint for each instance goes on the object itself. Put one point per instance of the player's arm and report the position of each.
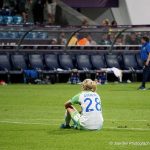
(68, 104)
(148, 60)
(74, 100)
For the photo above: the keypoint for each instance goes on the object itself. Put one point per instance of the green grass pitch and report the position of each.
(30, 116)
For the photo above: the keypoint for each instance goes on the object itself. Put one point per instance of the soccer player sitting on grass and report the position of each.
(90, 117)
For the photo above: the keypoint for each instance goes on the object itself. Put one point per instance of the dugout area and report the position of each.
(56, 62)
(58, 65)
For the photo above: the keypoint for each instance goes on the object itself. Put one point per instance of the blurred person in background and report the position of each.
(105, 40)
(20, 8)
(111, 37)
(9, 7)
(93, 42)
(1, 4)
(114, 23)
(51, 9)
(85, 41)
(106, 27)
(15, 7)
(85, 23)
(105, 23)
(60, 18)
(38, 11)
(62, 40)
(29, 18)
(74, 39)
(132, 39)
(119, 41)
(53, 41)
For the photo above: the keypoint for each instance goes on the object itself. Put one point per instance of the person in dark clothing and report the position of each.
(60, 18)
(20, 7)
(38, 11)
(145, 56)
(1, 4)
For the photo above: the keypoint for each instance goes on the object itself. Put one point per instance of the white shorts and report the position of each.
(79, 122)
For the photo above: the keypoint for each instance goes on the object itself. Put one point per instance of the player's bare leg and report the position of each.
(68, 116)
(69, 110)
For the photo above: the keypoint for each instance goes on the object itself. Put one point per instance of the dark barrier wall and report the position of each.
(92, 3)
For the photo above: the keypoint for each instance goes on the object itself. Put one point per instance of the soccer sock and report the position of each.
(143, 84)
(67, 118)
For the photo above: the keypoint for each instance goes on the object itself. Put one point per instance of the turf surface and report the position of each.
(30, 116)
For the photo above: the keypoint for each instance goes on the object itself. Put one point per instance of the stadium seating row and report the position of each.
(11, 20)
(63, 63)
(18, 35)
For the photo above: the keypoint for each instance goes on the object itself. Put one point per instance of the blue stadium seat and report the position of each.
(7, 20)
(42, 35)
(9, 70)
(139, 61)
(1, 19)
(9, 35)
(4, 63)
(5, 66)
(18, 65)
(31, 35)
(129, 61)
(83, 62)
(84, 66)
(20, 34)
(4, 35)
(1, 35)
(53, 67)
(112, 61)
(66, 62)
(98, 61)
(12, 35)
(36, 61)
(17, 19)
(131, 66)
(18, 62)
(51, 62)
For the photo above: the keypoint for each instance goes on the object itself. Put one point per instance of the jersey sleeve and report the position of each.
(75, 99)
(148, 48)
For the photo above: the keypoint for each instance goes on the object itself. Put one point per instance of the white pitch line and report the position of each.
(133, 129)
(32, 123)
(41, 119)
(104, 120)
(19, 122)
(128, 120)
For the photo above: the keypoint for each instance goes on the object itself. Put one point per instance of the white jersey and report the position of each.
(91, 116)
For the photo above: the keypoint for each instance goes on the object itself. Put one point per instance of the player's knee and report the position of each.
(68, 107)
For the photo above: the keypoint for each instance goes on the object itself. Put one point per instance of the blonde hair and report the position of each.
(106, 22)
(89, 85)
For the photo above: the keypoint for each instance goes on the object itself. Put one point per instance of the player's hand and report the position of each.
(147, 63)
